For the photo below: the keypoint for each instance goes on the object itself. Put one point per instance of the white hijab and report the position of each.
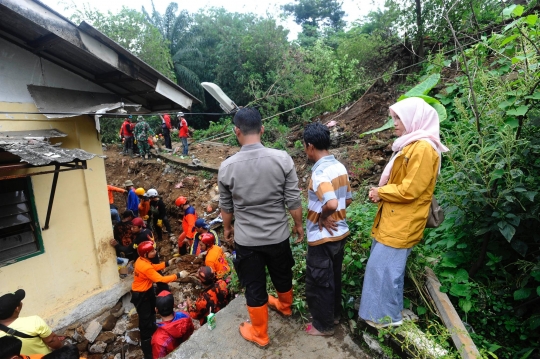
(421, 122)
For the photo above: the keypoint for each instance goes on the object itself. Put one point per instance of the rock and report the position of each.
(184, 274)
(373, 344)
(117, 310)
(98, 347)
(78, 334)
(83, 346)
(92, 331)
(133, 337)
(134, 354)
(133, 321)
(109, 323)
(107, 337)
(120, 327)
(174, 286)
(95, 356)
(126, 302)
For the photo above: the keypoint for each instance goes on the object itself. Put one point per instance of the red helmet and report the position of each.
(208, 239)
(145, 248)
(180, 201)
(138, 222)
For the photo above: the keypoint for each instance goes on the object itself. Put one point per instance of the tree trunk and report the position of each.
(420, 32)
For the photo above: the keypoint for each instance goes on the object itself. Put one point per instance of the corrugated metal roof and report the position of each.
(89, 53)
(34, 148)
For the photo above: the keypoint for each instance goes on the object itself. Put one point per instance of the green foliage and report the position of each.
(422, 89)
(488, 246)
(360, 170)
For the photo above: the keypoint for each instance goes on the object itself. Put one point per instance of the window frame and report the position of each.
(35, 221)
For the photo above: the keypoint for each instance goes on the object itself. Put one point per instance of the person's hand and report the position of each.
(328, 223)
(298, 230)
(113, 242)
(228, 234)
(159, 223)
(374, 194)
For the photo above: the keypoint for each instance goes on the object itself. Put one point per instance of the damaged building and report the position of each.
(56, 79)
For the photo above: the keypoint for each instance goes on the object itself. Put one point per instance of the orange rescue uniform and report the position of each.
(215, 259)
(145, 274)
(111, 189)
(144, 208)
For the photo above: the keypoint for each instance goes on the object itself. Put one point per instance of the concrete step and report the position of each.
(287, 339)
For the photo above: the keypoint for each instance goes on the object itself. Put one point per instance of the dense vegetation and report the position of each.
(486, 55)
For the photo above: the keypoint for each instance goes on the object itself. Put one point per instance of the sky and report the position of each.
(354, 9)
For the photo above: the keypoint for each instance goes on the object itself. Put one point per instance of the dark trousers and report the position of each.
(323, 283)
(250, 264)
(128, 144)
(159, 231)
(167, 137)
(145, 304)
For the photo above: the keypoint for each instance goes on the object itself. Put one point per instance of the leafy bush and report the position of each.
(488, 248)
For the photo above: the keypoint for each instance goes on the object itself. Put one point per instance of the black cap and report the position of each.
(165, 303)
(10, 301)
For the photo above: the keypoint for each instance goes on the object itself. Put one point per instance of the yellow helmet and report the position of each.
(140, 191)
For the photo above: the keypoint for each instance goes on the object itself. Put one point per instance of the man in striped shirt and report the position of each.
(329, 195)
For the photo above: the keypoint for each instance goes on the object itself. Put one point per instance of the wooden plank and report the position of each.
(450, 318)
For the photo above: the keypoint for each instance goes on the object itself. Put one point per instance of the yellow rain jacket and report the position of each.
(406, 198)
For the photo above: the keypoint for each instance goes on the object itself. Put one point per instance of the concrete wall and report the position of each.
(78, 265)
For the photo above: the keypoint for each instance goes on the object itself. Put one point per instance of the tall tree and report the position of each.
(183, 44)
(421, 19)
(315, 15)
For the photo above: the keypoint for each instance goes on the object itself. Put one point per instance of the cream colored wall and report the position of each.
(78, 261)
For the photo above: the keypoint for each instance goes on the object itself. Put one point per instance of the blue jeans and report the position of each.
(185, 144)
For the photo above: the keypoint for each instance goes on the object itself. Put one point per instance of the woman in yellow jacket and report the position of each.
(404, 198)
(145, 274)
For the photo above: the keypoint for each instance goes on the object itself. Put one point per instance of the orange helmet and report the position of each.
(180, 201)
(208, 239)
(140, 191)
(145, 248)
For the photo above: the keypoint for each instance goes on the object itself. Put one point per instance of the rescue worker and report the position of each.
(185, 239)
(133, 200)
(214, 296)
(159, 214)
(201, 227)
(126, 134)
(144, 209)
(114, 210)
(142, 131)
(143, 296)
(183, 133)
(123, 237)
(215, 258)
(141, 233)
(174, 328)
(166, 127)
